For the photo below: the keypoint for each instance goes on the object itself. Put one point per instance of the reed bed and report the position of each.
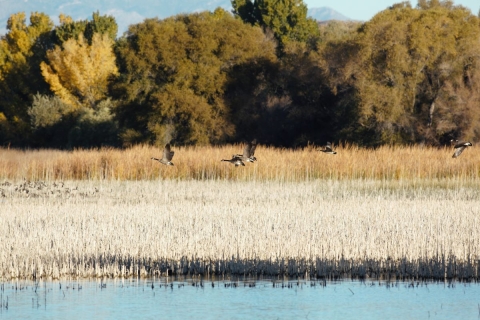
(203, 163)
(419, 229)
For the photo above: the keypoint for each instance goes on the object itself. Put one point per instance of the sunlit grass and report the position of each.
(321, 228)
(202, 163)
(407, 212)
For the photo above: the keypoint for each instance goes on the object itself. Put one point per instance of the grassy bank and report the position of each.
(422, 229)
(203, 163)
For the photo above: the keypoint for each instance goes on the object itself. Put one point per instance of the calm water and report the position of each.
(159, 299)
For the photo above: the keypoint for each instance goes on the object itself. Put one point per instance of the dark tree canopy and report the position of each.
(173, 76)
(409, 75)
(21, 51)
(419, 75)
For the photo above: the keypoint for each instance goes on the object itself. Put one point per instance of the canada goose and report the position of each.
(328, 149)
(459, 147)
(167, 156)
(248, 152)
(235, 160)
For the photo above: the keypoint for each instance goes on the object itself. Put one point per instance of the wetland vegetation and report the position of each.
(209, 219)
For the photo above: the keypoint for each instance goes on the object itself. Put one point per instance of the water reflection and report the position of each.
(238, 298)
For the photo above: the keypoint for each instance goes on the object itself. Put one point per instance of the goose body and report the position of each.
(328, 149)
(235, 160)
(167, 156)
(459, 147)
(248, 152)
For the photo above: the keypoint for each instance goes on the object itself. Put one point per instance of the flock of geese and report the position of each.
(248, 154)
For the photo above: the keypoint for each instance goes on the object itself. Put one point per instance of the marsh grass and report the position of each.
(319, 228)
(274, 164)
(404, 212)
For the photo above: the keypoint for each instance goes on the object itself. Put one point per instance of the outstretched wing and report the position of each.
(458, 151)
(167, 153)
(253, 147)
(246, 150)
(328, 147)
(462, 143)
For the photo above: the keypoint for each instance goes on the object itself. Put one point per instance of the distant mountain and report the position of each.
(127, 12)
(325, 14)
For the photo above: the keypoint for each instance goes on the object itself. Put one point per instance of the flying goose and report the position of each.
(328, 149)
(167, 156)
(459, 147)
(236, 161)
(248, 152)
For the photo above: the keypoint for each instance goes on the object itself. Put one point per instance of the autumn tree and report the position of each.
(334, 31)
(173, 74)
(78, 73)
(429, 4)
(21, 50)
(413, 64)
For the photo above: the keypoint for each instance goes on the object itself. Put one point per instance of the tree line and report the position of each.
(409, 75)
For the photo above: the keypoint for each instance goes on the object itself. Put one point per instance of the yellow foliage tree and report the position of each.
(78, 73)
(21, 50)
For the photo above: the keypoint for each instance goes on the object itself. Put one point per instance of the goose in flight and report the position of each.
(248, 152)
(235, 160)
(167, 156)
(459, 147)
(328, 149)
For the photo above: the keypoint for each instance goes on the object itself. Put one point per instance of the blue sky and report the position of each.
(365, 9)
(128, 12)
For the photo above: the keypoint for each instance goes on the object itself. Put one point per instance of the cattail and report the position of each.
(399, 229)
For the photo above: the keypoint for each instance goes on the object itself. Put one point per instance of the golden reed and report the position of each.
(274, 164)
(391, 212)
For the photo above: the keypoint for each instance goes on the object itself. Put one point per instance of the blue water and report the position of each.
(187, 299)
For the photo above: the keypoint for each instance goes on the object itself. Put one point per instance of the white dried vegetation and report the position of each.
(323, 228)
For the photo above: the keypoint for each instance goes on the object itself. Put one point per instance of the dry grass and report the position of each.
(323, 228)
(202, 163)
(395, 212)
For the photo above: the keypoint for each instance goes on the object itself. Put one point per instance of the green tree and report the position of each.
(286, 19)
(173, 74)
(51, 119)
(70, 29)
(307, 96)
(101, 25)
(57, 124)
(409, 57)
(94, 127)
(47, 111)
